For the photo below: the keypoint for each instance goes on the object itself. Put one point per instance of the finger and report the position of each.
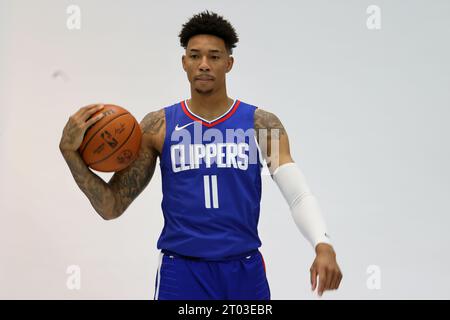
(339, 281)
(82, 111)
(332, 281)
(313, 279)
(89, 112)
(94, 120)
(322, 281)
(85, 108)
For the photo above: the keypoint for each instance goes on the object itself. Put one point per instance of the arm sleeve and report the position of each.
(302, 203)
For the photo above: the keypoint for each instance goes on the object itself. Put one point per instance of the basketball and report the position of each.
(112, 143)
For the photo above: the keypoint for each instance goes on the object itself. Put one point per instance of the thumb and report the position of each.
(313, 279)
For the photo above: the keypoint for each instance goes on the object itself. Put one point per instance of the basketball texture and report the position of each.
(112, 143)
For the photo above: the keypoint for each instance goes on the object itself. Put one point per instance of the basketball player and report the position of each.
(211, 184)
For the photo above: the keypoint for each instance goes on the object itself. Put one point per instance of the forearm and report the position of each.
(95, 188)
(302, 203)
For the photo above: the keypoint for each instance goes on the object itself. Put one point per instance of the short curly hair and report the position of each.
(209, 23)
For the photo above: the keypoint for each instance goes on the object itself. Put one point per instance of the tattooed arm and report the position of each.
(272, 139)
(127, 184)
(111, 199)
(96, 190)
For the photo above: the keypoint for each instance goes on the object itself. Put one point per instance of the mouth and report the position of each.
(204, 78)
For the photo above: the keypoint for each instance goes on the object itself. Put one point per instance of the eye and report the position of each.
(194, 56)
(216, 57)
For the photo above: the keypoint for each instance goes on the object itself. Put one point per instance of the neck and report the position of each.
(209, 106)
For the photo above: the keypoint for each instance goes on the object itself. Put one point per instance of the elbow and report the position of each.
(113, 211)
(110, 215)
(107, 217)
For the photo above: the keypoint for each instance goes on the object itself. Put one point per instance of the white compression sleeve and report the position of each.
(302, 203)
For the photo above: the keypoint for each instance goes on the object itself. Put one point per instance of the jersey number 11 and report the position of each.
(210, 186)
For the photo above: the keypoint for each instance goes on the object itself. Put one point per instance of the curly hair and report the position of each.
(209, 23)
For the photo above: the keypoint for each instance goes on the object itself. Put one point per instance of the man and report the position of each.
(211, 148)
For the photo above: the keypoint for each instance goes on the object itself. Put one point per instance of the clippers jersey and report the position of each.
(211, 183)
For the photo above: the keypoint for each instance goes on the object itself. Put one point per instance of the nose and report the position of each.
(204, 64)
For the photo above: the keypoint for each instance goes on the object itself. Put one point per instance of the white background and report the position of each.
(366, 112)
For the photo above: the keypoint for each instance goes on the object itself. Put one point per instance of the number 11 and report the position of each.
(215, 197)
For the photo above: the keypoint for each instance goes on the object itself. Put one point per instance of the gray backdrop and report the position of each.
(366, 111)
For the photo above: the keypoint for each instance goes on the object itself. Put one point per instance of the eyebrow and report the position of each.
(210, 50)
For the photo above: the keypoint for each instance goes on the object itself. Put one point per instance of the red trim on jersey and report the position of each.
(208, 124)
(264, 264)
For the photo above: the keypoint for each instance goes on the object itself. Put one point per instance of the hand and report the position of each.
(77, 125)
(326, 267)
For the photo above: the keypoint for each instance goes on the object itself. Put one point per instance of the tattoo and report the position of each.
(267, 120)
(130, 182)
(111, 199)
(269, 131)
(154, 122)
(97, 191)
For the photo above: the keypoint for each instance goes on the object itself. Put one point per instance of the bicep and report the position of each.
(279, 151)
(128, 183)
(273, 139)
(284, 154)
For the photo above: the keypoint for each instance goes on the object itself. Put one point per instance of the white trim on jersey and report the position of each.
(158, 277)
(210, 121)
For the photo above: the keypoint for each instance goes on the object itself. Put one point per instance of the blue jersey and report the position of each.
(211, 183)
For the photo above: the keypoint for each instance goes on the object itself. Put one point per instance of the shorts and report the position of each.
(185, 278)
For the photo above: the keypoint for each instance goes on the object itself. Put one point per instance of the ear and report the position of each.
(230, 63)
(183, 62)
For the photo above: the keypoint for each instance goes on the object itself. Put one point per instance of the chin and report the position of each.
(204, 91)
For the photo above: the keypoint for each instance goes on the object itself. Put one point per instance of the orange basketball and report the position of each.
(112, 143)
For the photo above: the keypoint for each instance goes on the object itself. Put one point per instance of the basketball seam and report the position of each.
(134, 125)
(87, 143)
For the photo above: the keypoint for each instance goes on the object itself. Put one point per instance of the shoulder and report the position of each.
(153, 122)
(153, 127)
(266, 120)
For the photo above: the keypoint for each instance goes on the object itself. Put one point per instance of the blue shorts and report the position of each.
(185, 278)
